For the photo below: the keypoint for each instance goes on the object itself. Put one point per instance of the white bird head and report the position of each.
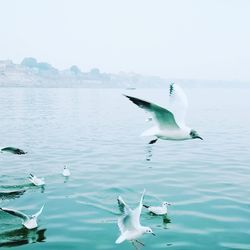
(194, 135)
(147, 230)
(166, 204)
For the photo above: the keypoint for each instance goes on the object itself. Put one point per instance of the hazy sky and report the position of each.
(170, 38)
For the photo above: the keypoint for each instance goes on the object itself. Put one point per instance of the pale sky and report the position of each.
(191, 39)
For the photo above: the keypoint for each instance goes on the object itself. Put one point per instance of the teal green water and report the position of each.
(96, 133)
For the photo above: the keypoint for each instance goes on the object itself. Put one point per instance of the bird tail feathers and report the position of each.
(120, 239)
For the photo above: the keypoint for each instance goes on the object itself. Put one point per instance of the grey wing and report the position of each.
(136, 213)
(123, 207)
(15, 213)
(164, 117)
(126, 223)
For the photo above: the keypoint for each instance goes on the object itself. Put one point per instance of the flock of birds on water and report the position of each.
(169, 125)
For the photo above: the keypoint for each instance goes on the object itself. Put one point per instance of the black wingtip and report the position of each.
(146, 206)
(132, 99)
(129, 97)
(119, 200)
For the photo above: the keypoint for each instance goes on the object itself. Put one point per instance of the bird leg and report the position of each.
(153, 141)
(140, 243)
(136, 246)
(133, 243)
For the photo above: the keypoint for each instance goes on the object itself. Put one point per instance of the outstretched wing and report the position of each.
(38, 213)
(15, 213)
(163, 117)
(124, 222)
(178, 103)
(122, 205)
(136, 213)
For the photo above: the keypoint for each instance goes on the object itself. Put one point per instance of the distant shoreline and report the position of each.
(33, 74)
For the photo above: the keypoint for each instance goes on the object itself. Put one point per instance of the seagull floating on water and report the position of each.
(36, 181)
(129, 223)
(29, 222)
(170, 124)
(66, 171)
(160, 210)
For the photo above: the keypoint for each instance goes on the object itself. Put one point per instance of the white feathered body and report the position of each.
(66, 172)
(31, 223)
(158, 210)
(130, 235)
(37, 181)
(166, 134)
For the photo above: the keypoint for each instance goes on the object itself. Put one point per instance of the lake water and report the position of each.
(96, 132)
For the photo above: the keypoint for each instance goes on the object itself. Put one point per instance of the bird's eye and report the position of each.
(192, 133)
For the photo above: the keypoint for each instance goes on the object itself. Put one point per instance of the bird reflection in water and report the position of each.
(149, 152)
(165, 221)
(11, 194)
(21, 236)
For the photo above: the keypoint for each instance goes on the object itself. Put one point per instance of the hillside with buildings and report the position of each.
(30, 73)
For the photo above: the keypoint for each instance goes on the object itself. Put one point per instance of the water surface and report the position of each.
(96, 133)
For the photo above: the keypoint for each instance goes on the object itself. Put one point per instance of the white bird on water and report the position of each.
(36, 181)
(170, 125)
(158, 210)
(129, 223)
(30, 222)
(66, 172)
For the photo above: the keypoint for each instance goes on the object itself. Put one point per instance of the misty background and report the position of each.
(207, 40)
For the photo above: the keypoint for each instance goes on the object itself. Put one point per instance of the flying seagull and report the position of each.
(30, 222)
(170, 125)
(13, 150)
(129, 223)
(159, 210)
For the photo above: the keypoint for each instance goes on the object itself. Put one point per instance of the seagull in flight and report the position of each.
(129, 223)
(170, 125)
(30, 222)
(158, 210)
(36, 181)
